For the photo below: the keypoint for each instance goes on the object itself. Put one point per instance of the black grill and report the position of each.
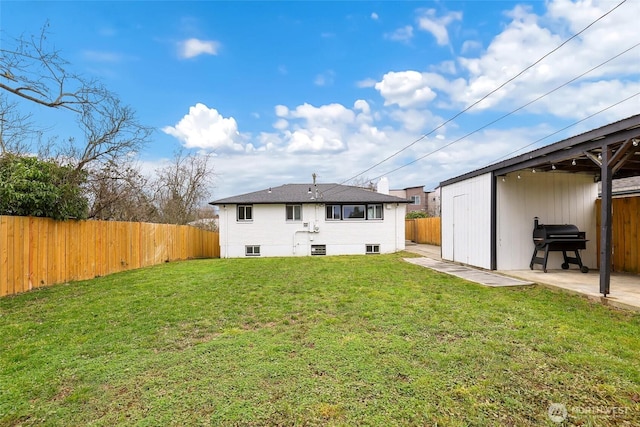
(561, 238)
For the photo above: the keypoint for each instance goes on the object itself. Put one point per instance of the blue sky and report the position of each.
(280, 90)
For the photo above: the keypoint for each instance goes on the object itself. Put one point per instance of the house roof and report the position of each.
(310, 193)
(579, 153)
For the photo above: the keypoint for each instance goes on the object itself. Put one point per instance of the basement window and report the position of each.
(373, 248)
(318, 249)
(252, 250)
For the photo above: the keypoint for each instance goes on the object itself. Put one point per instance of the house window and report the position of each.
(333, 212)
(294, 212)
(374, 212)
(353, 211)
(373, 249)
(252, 250)
(415, 200)
(245, 213)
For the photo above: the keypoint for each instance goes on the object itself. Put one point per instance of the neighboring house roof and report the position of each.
(623, 186)
(309, 193)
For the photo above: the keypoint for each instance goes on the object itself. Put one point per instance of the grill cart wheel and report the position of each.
(565, 266)
(584, 269)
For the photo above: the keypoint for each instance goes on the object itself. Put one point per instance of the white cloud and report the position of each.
(193, 47)
(366, 83)
(324, 115)
(471, 46)
(403, 34)
(525, 39)
(315, 140)
(281, 124)
(205, 128)
(374, 16)
(362, 105)
(405, 88)
(437, 26)
(305, 138)
(282, 110)
(324, 79)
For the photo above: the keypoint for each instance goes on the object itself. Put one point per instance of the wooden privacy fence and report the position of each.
(625, 234)
(423, 230)
(37, 252)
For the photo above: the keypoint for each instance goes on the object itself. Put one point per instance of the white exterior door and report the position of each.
(461, 224)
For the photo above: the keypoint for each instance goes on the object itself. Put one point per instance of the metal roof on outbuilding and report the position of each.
(310, 193)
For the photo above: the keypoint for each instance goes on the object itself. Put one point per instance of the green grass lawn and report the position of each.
(353, 340)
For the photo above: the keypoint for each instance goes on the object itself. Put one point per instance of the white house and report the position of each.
(310, 219)
(488, 214)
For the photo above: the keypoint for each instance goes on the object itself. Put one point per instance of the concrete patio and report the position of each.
(625, 288)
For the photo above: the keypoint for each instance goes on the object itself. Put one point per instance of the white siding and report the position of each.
(555, 198)
(278, 237)
(466, 221)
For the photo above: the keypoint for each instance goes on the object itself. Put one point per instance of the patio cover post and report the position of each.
(605, 222)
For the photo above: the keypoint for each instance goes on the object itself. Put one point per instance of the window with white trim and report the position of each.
(372, 248)
(374, 211)
(245, 212)
(333, 212)
(294, 212)
(252, 250)
(415, 200)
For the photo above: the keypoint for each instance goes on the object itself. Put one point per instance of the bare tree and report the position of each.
(16, 128)
(119, 192)
(183, 186)
(36, 73)
(31, 70)
(364, 182)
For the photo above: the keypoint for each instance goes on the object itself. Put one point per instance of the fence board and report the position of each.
(423, 230)
(4, 256)
(36, 252)
(625, 234)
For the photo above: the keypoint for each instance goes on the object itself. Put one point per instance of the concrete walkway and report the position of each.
(468, 273)
(625, 288)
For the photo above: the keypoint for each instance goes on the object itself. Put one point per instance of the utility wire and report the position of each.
(528, 145)
(455, 116)
(563, 129)
(512, 112)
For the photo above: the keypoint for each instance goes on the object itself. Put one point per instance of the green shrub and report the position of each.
(33, 187)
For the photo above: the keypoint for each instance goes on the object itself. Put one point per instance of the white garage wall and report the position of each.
(555, 198)
(466, 221)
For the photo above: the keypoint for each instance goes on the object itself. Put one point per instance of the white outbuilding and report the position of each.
(488, 214)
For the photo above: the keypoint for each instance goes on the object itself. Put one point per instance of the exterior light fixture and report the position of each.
(504, 179)
(599, 156)
(573, 162)
(533, 170)
(635, 142)
(518, 176)
(553, 167)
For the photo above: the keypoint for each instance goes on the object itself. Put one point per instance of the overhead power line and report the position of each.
(455, 116)
(512, 112)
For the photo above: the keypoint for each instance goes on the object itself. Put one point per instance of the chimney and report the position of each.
(383, 185)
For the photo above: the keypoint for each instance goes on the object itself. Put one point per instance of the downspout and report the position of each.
(493, 261)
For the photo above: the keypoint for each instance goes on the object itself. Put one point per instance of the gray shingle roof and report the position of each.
(306, 193)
